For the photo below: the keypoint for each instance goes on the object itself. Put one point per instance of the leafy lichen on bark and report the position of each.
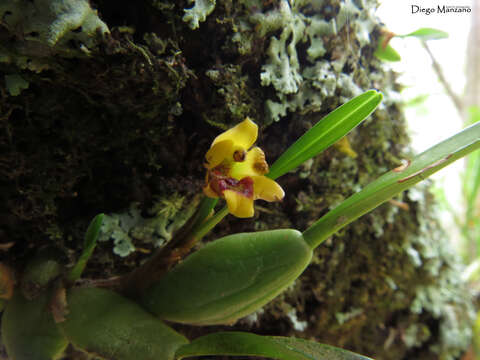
(129, 123)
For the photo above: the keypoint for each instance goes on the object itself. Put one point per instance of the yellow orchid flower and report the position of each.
(236, 173)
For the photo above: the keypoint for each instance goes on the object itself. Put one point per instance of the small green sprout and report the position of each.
(89, 244)
(387, 53)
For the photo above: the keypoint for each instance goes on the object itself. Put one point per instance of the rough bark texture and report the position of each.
(115, 115)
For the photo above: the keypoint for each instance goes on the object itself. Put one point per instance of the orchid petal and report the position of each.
(266, 189)
(253, 165)
(218, 152)
(242, 135)
(238, 204)
(208, 191)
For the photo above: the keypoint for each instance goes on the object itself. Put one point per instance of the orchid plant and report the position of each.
(225, 280)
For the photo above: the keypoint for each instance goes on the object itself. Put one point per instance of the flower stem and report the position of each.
(203, 228)
(175, 250)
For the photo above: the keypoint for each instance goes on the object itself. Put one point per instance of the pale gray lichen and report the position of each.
(347, 316)
(253, 318)
(23, 62)
(301, 87)
(452, 308)
(282, 69)
(298, 41)
(71, 16)
(416, 334)
(129, 228)
(15, 84)
(46, 27)
(198, 12)
(297, 324)
(117, 227)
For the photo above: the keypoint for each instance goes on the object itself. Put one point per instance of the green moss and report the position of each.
(232, 91)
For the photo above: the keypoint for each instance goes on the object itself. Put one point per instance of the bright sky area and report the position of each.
(437, 118)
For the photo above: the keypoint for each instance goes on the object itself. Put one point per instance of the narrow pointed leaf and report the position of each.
(326, 132)
(89, 244)
(471, 176)
(394, 182)
(427, 34)
(275, 347)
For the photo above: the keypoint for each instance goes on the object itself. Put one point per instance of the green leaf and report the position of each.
(417, 100)
(229, 278)
(471, 191)
(471, 178)
(427, 34)
(327, 131)
(41, 271)
(89, 244)
(384, 51)
(28, 329)
(203, 211)
(275, 347)
(394, 182)
(113, 327)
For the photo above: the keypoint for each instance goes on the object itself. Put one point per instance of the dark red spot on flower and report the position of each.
(219, 183)
(245, 187)
(239, 155)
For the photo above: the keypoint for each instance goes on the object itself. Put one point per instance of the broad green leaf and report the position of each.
(394, 182)
(28, 330)
(110, 326)
(275, 347)
(385, 52)
(41, 271)
(89, 244)
(326, 132)
(229, 278)
(427, 34)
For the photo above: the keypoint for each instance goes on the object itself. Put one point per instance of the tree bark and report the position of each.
(119, 120)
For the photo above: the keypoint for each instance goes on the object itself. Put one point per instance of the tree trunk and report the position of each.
(115, 115)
